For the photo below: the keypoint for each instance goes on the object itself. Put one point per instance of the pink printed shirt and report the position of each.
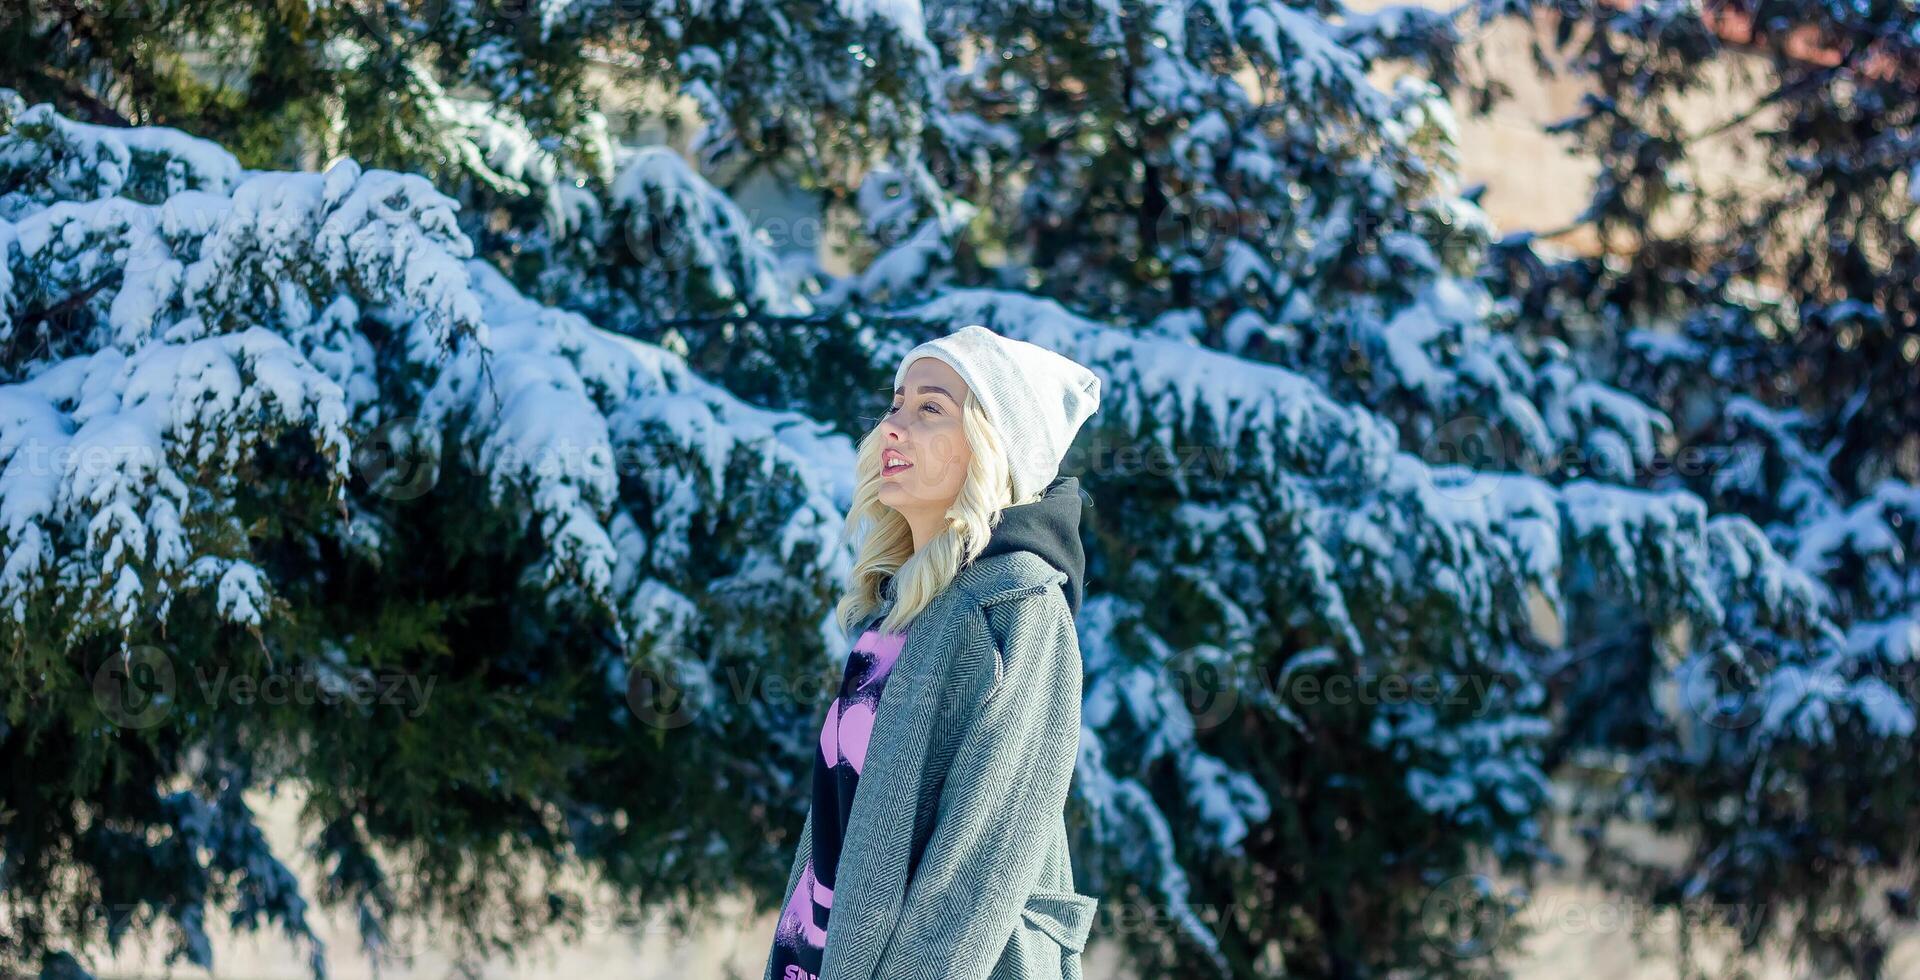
(800, 939)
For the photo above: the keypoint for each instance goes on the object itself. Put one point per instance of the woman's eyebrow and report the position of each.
(935, 389)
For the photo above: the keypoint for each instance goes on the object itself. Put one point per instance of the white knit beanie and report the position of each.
(1035, 398)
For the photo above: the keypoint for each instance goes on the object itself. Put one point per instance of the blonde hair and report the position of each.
(885, 553)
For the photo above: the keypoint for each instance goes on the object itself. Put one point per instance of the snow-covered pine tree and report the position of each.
(1776, 322)
(262, 426)
(494, 101)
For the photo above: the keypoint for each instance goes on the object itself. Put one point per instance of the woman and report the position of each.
(951, 861)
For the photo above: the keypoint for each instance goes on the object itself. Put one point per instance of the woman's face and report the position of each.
(923, 430)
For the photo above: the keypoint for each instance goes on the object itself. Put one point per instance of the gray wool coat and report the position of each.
(955, 863)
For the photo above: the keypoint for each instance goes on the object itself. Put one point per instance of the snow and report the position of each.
(109, 444)
(1662, 346)
(1862, 532)
(233, 313)
(1805, 702)
(1303, 46)
(678, 227)
(900, 270)
(1617, 434)
(1126, 701)
(1894, 641)
(572, 411)
(904, 16)
(64, 159)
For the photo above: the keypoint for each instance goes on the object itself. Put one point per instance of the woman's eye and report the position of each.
(931, 407)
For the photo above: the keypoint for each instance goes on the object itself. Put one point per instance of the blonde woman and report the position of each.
(958, 718)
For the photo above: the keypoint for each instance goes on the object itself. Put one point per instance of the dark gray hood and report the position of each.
(1048, 527)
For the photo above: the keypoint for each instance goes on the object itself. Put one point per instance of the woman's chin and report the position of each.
(897, 494)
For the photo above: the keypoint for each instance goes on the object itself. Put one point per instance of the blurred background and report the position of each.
(426, 425)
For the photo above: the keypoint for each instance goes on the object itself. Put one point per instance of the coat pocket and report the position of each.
(1046, 944)
(1066, 917)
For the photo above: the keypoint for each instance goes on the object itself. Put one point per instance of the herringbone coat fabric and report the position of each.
(955, 862)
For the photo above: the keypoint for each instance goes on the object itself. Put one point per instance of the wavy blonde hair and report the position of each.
(885, 555)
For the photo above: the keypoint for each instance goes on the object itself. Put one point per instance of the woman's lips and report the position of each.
(893, 465)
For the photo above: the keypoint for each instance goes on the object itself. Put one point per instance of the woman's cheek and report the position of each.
(954, 458)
